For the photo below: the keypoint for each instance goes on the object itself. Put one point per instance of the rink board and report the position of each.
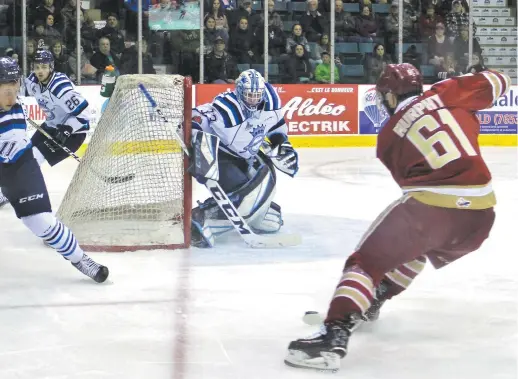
(319, 115)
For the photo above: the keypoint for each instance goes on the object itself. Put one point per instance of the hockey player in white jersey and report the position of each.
(227, 137)
(22, 182)
(64, 109)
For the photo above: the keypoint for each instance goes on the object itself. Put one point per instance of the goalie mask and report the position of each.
(250, 88)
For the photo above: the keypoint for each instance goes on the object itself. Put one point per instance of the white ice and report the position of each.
(230, 312)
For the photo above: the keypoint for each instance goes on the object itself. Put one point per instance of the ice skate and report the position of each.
(323, 350)
(90, 268)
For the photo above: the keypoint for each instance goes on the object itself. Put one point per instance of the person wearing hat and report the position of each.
(220, 67)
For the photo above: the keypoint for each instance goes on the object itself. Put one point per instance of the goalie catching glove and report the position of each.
(204, 157)
(283, 155)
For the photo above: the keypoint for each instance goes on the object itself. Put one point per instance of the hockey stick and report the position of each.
(221, 198)
(107, 179)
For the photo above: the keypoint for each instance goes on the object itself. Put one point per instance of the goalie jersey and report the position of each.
(60, 101)
(241, 132)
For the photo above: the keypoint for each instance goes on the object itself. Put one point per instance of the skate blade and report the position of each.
(327, 362)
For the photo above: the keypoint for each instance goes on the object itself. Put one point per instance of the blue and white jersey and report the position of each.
(241, 132)
(60, 101)
(13, 134)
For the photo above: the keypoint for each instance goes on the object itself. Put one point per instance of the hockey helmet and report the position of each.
(250, 87)
(400, 79)
(44, 57)
(9, 70)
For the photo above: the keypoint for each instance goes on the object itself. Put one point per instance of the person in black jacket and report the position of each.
(298, 67)
(241, 44)
(114, 34)
(220, 67)
(313, 22)
(129, 60)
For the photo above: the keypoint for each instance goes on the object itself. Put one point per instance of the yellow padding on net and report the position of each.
(145, 147)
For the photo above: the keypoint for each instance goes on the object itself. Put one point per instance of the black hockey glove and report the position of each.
(62, 133)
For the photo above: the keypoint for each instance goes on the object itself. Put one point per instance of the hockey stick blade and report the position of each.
(107, 179)
(238, 222)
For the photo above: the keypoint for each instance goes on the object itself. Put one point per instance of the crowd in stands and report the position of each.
(435, 34)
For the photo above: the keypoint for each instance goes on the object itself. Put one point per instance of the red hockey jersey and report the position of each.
(430, 145)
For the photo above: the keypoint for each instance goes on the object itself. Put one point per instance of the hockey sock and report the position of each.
(401, 277)
(55, 234)
(354, 294)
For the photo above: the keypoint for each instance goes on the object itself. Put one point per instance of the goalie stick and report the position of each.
(221, 198)
(107, 179)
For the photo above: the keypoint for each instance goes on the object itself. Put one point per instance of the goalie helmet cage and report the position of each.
(147, 202)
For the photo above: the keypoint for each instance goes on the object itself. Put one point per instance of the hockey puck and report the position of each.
(312, 318)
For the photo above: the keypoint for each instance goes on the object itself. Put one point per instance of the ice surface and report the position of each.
(230, 312)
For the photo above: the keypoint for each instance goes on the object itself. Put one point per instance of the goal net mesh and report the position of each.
(128, 191)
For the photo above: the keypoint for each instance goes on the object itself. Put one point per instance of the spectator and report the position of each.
(210, 33)
(217, 11)
(476, 59)
(392, 30)
(457, 18)
(276, 39)
(60, 58)
(104, 57)
(317, 50)
(44, 9)
(296, 38)
(49, 28)
(448, 68)
(31, 50)
(366, 25)
(461, 46)
(313, 22)
(129, 61)
(412, 56)
(114, 34)
(428, 22)
(439, 45)
(242, 44)
(68, 14)
(11, 53)
(88, 72)
(234, 17)
(131, 21)
(323, 70)
(220, 67)
(187, 42)
(40, 35)
(298, 67)
(375, 63)
(345, 26)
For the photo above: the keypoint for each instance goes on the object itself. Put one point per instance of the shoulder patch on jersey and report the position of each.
(273, 101)
(59, 85)
(229, 108)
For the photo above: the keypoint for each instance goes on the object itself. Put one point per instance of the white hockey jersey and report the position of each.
(13, 132)
(60, 101)
(241, 132)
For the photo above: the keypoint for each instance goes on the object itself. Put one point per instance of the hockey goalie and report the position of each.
(239, 140)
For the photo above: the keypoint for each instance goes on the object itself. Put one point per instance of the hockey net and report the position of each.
(131, 190)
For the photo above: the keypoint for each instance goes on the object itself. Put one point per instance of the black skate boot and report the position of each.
(323, 351)
(373, 313)
(90, 268)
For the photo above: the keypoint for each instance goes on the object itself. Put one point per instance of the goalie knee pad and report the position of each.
(253, 202)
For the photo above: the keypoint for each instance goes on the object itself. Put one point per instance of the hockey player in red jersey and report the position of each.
(430, 147)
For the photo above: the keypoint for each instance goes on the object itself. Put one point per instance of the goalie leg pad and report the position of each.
(253, 201)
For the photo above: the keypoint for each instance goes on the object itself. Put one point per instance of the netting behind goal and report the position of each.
(131, 191)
